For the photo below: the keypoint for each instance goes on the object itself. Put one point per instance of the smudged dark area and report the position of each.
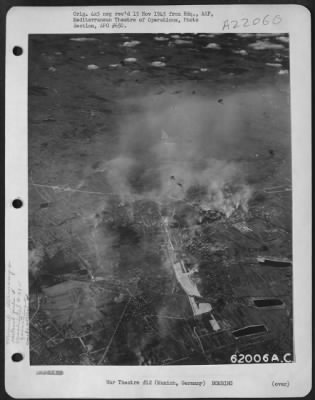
(143, 166)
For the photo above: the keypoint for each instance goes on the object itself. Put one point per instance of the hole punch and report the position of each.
(17, 50)
(17, 203)
(17, 357)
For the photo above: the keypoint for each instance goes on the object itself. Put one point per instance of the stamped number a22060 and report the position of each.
(230, 24)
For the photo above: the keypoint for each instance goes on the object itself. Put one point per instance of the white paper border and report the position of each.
(83, 381)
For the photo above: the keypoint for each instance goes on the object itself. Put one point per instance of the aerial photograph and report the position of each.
(160, 199)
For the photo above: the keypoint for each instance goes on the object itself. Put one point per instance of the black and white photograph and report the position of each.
(160, 199)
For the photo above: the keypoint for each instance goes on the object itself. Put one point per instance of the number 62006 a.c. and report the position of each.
(241, 358)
